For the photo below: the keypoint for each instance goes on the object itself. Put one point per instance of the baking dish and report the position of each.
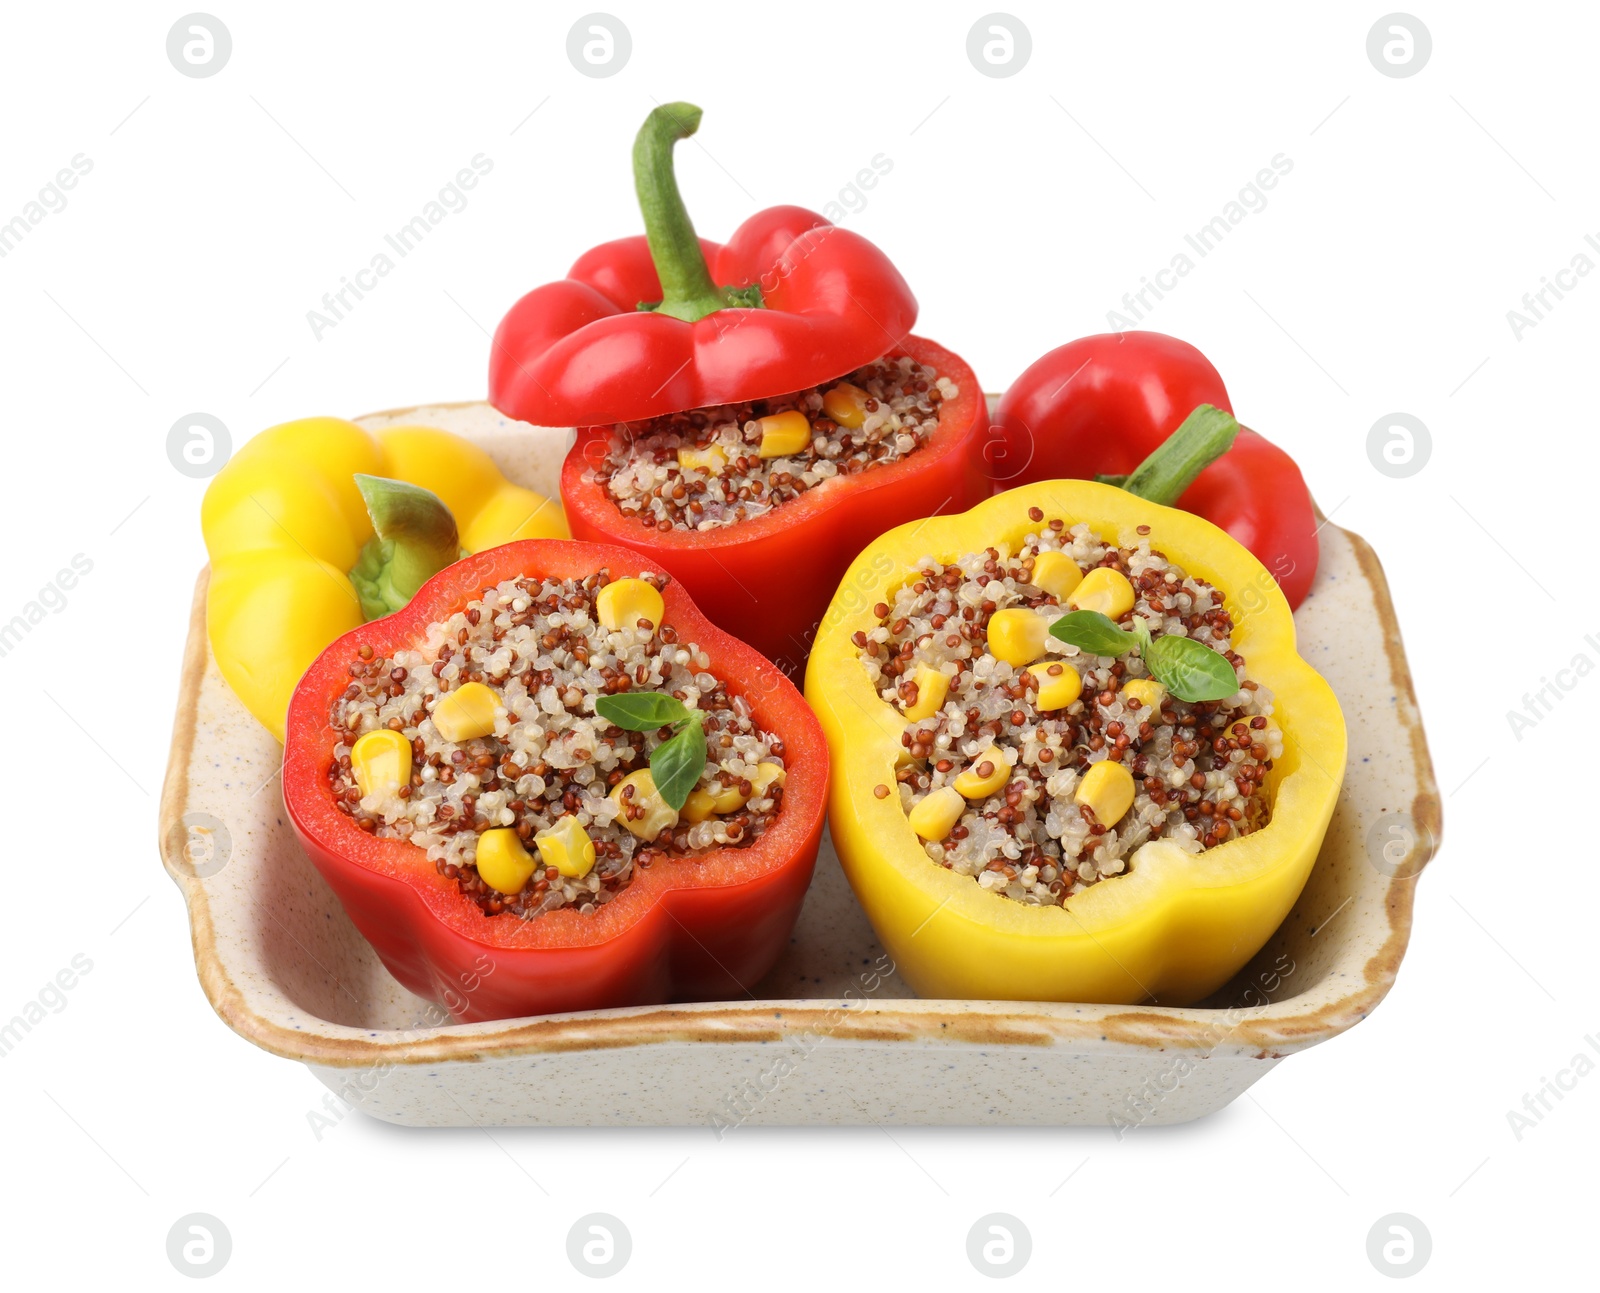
(832, 1036)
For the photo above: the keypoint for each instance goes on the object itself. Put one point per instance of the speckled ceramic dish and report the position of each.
(832, 1035)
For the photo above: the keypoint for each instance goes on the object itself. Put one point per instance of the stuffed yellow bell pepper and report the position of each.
(1170, 925)
(295, 558)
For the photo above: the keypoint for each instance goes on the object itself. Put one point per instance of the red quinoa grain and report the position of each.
(1200, 770)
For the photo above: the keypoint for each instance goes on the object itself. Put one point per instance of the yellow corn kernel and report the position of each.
(502, 861)
(932, 687)
(381, 761)
(466, 712)
(975, 783)
(1105, 590)
(784, 433)
(567, 847)
(937, 813)
(1018, 636)
(622, 603)
(1056, 573)
(638, 791)
(1147, 691)
(846, 405)
(1059, 684)
(712, 460)
(1107, 789)
(766, 776)
(703, 803)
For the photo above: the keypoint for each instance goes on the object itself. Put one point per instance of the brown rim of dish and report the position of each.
(411, 410)
(1272, 1031)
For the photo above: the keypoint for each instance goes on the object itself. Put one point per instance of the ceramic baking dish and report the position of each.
(832, 1036)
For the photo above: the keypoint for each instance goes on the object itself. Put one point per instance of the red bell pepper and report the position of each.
(1101, 405)
(650, 325)
(641, 328)
(696, 928)
(769, 579)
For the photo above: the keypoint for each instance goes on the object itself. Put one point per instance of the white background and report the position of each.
(1378, 279)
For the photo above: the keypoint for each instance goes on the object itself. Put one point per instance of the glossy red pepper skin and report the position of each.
(579, 352)
(693, 929)
(1100, 405)
(768, 580)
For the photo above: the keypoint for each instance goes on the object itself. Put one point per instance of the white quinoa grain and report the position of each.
(539, 645)
(642, 475)
(1030, 840)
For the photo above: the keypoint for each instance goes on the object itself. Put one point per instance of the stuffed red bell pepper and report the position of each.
(1100, 406)
(750, 415)
(550, 784)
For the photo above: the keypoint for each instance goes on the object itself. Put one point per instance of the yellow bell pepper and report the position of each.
(285, 523)
(1171, 930)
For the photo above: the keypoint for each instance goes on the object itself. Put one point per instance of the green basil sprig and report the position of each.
(675, 764)
(1190, 670)
(1093, 632)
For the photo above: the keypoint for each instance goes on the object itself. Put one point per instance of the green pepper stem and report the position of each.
(1204, 436)
(414, 539)
(687, 289)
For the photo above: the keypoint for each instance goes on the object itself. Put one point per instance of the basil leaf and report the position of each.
(1093, 632)
(676, 765)
(641, 711)
(1191, 670)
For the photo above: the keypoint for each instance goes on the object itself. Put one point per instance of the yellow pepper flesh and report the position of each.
(284, 524)
(1174, 927)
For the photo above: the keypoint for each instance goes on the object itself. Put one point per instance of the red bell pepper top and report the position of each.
(769, 579)
(651, 325)
(1101, 405)
(693, 928)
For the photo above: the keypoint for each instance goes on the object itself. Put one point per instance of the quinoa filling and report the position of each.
(532, 764)
(1012, 763)
(706, 468)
